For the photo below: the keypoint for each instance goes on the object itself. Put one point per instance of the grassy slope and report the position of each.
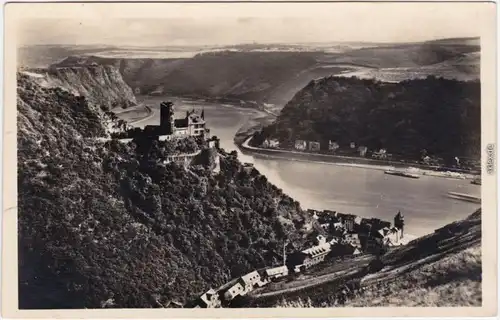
(453, 280)
(440, 269)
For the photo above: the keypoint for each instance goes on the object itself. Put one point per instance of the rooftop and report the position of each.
(276, 270)
(318, 250)
(248, 276)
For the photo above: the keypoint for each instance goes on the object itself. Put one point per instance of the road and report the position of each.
(119, 112)
(366, 163)
(330, 271)
(310, 283)
(151, 115)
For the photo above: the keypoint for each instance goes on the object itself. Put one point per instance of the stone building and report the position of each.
(209, 299)
(245, 284)
(314, 146)
(302, 260)
(193, 124)
(300, 145)
(332, 145)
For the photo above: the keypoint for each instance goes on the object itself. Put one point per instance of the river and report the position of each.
(361, 191)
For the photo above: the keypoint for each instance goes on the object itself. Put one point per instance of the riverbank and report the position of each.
(366, 163)
(135, 114)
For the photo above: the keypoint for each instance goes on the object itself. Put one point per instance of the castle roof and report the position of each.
(195, 118)
(191, 117)
(154, 130)
(181, 123)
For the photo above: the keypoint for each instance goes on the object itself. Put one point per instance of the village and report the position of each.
(354, 150)
(333, 147)
(338, 235)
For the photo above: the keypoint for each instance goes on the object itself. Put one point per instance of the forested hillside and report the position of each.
(111, 225)
(438, 115)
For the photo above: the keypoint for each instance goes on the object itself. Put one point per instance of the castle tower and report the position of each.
(399, 222)
(167, 120)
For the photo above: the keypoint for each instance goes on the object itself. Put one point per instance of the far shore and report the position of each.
(366, 163)
(135, 114)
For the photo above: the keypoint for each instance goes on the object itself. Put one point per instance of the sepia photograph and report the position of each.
(261, 156)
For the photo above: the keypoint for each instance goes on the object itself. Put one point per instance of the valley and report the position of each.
(120, 225)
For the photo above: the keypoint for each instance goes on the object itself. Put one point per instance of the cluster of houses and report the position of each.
(360, 234)
(242, 286)
(363, 151)
(303, 145)
(346, 234)
(302, 260)
(315, 146)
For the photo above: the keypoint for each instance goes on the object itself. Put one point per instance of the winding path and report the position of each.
(149, 116)
(120, 111)
(310, 283)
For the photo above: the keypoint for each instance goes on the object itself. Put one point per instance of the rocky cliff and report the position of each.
(101, 85)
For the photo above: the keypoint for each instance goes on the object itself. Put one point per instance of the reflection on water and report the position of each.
(360, 191)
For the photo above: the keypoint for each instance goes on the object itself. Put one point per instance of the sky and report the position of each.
(215, 24)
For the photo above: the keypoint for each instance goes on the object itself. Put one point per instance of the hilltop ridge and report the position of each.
(273, 73)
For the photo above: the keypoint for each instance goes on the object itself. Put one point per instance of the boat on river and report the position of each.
(464, 197)
(445, 174)
(402, 173)
(476, 181)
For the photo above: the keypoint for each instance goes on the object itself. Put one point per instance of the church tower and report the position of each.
(399, 222)
(167, 119)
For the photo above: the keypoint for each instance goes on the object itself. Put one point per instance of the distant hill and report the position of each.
(409, 55)
(42, 56)
(471, 41)
(249, 72)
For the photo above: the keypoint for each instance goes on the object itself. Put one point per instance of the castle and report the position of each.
(193, 124)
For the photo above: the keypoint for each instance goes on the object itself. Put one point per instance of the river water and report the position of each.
(361, 191)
